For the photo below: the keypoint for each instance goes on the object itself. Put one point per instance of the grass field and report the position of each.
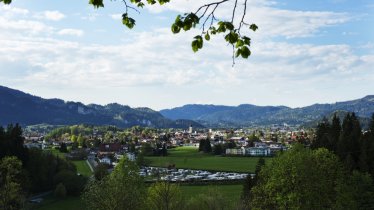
(70, 203)
(189, 157)
(82, 166)
(231, 194)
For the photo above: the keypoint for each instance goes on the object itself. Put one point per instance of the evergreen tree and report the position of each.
(2, 143)
(249, 183)
(60, 191)
(218, 149)
(164, 151)
(63, 148)
(321, 139)
(335, 130)
(246, 192)
(366, 160)
(207, 147)
(349, 142)
(201, 145)
(371, 125)
(11, 142)
(10, 184)
(260, 164)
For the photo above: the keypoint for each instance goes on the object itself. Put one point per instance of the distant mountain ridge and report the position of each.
(26, 109)
(250, 115)
(19, 107)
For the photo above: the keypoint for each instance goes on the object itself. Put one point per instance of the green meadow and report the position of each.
(191, 158)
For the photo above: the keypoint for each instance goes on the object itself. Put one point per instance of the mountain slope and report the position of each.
(251, 115)
(23, 108)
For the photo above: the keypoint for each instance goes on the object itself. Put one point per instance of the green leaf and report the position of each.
(6, 1)
(229, 26)
(194, 45)
(238, 52)
(177, 19)
(175, 28)
(247, 40)
(253, 27)
(221, 27)
(245, 52)
(239, 43)
(232, 37)
(95, 3)
(197, 43)
(127, 21)
(151, 2)
(207, 36)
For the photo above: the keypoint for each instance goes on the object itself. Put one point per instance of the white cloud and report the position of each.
(165, 64)
(159, 58)
(28, 26)
(10, 11)
(51, 15)
(272, 21)
(71, 32)
(116, 16)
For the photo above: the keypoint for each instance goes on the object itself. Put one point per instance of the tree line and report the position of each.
(346, 139)
(24, 172)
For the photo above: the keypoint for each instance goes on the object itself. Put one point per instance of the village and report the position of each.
(107, 147)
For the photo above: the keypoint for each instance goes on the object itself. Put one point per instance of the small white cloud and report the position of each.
(71, 32)
(50, 15)
(116, 16)
(91, 17)
(53, 15)
(28, 26)
(7, 10)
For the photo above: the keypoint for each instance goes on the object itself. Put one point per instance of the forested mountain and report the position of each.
(250, 115)
(26, 109)
(16, 106)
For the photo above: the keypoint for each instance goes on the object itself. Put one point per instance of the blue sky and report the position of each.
(304, 52)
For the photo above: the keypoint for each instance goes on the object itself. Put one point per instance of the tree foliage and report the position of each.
(11, 196)
(101, 171)
(164, 196)
(205, 146)
(211, 199)
(356, 192)
(122, 189)
(354, 148)
(289, 181)
(11, 143)
(249, 183)
(60, 191)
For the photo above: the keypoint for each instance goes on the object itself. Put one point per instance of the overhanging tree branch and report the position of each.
(204, 16)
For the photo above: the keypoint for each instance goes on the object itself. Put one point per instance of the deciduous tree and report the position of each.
(122, 189)
(11, 196)
(164, 196)
(298, 178)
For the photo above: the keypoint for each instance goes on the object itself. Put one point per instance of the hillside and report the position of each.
(251, 115)
(26, 109)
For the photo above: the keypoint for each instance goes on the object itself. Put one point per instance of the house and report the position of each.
(260, 144)
(109, 149)
(258, 151)
(131, 156)
(105, 160)
(240, 151)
